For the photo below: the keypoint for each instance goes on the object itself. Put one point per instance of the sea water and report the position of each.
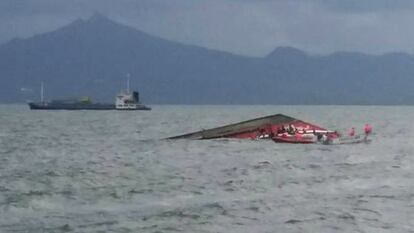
(110, 171)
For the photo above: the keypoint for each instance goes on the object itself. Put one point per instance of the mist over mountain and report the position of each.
(93, 57)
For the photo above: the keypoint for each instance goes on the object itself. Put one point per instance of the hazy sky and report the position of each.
(250, 27)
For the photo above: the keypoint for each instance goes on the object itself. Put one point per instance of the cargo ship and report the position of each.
(124, 101)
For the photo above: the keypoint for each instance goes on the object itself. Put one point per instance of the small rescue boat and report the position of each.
(297, 138)
(347, 140)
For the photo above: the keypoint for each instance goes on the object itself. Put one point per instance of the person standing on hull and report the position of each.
(367, 130)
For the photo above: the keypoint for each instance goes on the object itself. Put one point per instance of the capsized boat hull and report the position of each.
(246, 129)
(270, 127)
(258, 128)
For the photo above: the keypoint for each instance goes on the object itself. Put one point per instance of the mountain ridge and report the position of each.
(93, 56)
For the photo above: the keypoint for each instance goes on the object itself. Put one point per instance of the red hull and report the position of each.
(259, 128)
(280, 128)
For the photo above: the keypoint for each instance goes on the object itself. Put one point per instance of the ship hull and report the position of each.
(259, 128)
(142, 108)
(53, 106)
(252, 129)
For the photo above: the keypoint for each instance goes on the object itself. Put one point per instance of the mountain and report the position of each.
(92, 57)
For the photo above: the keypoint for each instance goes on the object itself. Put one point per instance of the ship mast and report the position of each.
(128, 82)
(42, 93)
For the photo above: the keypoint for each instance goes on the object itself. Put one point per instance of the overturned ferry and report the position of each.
(280, 128)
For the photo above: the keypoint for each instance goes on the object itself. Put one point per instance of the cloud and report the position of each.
(251, 27)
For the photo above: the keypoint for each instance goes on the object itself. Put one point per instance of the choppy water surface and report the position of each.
(92, 171)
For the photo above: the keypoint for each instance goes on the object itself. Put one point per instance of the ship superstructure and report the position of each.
(127, 100)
